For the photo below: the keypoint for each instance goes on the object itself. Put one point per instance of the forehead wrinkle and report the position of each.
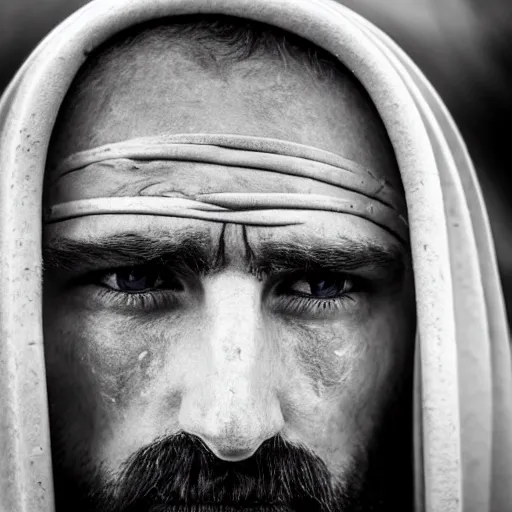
(357, 112)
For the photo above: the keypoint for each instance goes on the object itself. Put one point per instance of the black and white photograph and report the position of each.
(255, 256)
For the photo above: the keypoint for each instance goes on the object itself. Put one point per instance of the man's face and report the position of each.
(247, 338)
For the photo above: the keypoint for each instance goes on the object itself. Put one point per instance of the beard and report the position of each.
(178, 473)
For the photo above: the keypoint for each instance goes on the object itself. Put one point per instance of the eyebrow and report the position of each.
(339, 256)
(191, 248)
(195, 251)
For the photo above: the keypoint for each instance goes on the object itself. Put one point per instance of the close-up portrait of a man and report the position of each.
(239, 260)
(197, 363)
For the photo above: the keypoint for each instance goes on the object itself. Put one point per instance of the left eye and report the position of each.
(321, 286)
(141, 279)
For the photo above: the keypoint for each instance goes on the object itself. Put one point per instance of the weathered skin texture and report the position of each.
(227, 357)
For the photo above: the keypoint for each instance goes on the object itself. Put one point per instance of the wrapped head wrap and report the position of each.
(463, 391)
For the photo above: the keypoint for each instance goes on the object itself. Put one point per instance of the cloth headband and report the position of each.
(364, 195)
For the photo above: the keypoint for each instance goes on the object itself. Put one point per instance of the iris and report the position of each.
(136, 279)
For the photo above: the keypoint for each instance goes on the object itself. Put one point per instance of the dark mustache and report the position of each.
(179, 473)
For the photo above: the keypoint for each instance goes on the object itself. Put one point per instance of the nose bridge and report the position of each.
(236, 325)
(234, 406)
(236, 342)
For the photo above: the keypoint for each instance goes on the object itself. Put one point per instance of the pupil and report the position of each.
(134, 280)
(325, 287)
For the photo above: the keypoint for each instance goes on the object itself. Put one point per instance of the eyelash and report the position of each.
(299, 305)
(294, 305)
(149, 301)
(291, 303)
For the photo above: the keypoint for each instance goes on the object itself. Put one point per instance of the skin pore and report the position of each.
(241, 343)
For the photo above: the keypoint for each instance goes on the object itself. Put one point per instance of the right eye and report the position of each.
(321, 285)
(141, 279)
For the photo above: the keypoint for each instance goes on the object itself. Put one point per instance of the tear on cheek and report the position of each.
(327, 368)
(144, 361)
(118, 384)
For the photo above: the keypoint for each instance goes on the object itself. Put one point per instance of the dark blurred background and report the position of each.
(463, 46)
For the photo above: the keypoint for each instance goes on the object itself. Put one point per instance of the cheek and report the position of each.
(345, 374)
(107, 352)
(119, 356)
(357, 351)
(106, 372)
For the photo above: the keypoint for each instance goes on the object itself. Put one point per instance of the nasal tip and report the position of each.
(229, 452)
(235, 456)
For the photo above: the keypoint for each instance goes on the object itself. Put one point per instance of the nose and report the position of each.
(231, 402)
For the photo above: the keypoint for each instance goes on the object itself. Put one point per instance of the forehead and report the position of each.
(144, 90)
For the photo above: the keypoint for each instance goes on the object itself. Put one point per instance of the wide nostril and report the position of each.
(234, 434)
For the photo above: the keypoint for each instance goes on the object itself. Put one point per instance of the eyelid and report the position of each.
(292, 276)
(113, 285)
(147, 300)
(87, 276)
(283, 302)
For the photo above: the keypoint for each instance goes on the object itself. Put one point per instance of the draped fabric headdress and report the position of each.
(463, 390)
